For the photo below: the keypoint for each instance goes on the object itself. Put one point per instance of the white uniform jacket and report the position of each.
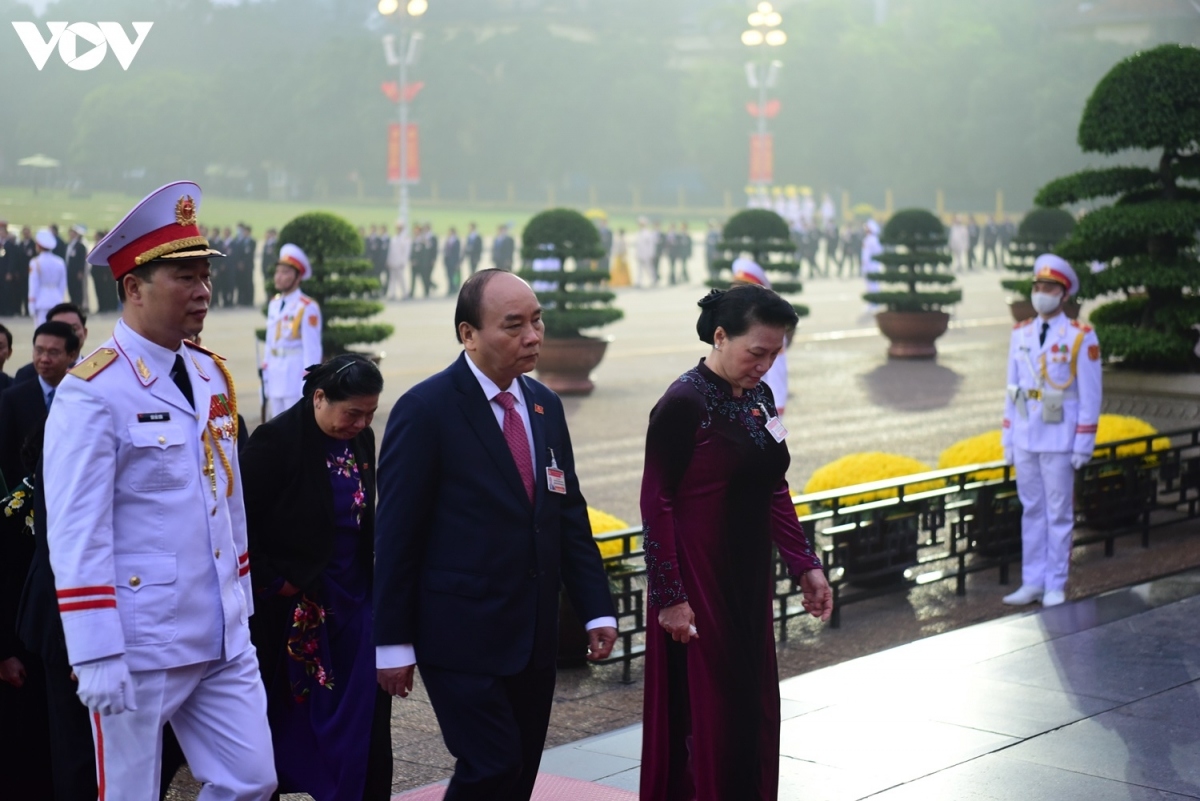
(293, 343)
(1081, 403)
(47, 280)
(148, 560)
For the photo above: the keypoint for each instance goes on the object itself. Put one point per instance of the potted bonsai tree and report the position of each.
(915, 240)
(1147, 236)
(1039, 232)
(557, 247)
(764, 236)
(342, 282)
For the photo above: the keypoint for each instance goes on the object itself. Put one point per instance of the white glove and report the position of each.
(1078, 460)
(1008, 456)
(105, 686)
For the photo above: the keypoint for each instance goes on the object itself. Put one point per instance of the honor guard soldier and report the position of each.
(146, 526)
(293, 333)
(1050, 417)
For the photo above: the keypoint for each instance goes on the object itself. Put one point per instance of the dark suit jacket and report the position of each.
(26, 372)
(452, 252)
(474, 247)
(289, 501)
(6, 381)
(466, 569)
(22, 414)
(502, 252)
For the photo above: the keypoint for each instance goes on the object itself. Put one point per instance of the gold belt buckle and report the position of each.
(1034, 394)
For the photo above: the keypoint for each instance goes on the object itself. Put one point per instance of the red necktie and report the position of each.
(514, 434)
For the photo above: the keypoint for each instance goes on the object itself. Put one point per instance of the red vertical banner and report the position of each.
(413, 153)
(393, 156)
(412, 157)
(762, 159)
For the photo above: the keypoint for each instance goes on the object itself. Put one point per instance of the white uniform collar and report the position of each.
(158, 360)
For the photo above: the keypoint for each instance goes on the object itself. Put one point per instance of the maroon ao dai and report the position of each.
(714, 499)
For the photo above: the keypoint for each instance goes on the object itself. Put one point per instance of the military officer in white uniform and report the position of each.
(1050, 417)
(47, 278)
(146, 525)
(293, 333)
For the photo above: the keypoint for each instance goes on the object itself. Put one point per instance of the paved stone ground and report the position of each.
(846, 396)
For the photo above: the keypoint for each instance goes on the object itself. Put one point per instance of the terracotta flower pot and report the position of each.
(565, 364)
(912, 334)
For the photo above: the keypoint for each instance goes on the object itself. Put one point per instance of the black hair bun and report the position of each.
(711, 300)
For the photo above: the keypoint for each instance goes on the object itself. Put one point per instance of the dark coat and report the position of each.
(22, 415)
(289, 500)
(466, 569)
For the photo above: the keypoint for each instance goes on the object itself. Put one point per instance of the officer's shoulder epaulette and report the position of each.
(203, 350)
(305, 300)
(1084, 328)
(277, 296)
(93, 364)
(1023, 323)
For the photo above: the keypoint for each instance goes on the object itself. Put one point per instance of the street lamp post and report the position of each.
(764, 29)
(414, 8)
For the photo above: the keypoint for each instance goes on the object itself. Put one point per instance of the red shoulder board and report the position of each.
(203, 350)
(305, 300)
(1023, 323)
(1085, 328)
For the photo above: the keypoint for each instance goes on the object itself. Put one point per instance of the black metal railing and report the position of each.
(944, 525)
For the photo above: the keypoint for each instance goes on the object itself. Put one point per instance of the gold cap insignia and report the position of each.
(185, 210)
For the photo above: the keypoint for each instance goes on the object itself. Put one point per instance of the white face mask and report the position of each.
(1043, 303)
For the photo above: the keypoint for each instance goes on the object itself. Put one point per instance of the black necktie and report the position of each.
(1042, 336)
(179, 375)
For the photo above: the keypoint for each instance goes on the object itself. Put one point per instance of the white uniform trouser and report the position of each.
(397, 281)
(285, 380)
(38, 313)
(647, 275)
(1046, 487)
(278, 404)
(218, 711)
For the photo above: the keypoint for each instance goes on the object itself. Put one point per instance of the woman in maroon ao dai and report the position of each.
(714, 499)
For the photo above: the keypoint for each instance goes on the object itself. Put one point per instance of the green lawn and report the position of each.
(19, 206)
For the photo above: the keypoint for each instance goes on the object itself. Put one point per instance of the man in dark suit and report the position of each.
(502, 250)
(6, 380)
(452, 259)
(23, 253)
(77, 267)
(480, 522)
(270, 258)
(25, 763)
(104, 285)
(60, 245)
(9, 292)
(67, 313)
(473, 249)
(23, 406)
(606, 242)
(245, 261)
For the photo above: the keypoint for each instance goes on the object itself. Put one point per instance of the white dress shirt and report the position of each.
(397, 656)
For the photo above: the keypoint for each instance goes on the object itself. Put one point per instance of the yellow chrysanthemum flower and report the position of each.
(602, 523)
(1116, 427)
(863, 468)
(984, 447)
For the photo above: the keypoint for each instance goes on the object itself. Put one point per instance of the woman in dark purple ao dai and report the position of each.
(714, 499)
(309, 478)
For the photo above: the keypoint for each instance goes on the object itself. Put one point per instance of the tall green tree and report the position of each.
(1148, 234)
